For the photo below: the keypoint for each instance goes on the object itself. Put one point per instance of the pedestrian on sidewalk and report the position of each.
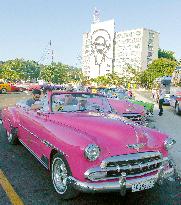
(162, 93)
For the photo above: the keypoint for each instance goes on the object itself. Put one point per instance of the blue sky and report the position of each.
(28, 25)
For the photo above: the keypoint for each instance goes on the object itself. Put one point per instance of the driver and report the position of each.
(33, 102)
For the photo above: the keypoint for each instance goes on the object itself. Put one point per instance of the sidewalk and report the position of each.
(169, 123)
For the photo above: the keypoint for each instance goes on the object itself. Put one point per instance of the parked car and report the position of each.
(4, 87)
(175, 91)
(118, 99)
(8, 87)
(175, 102)
(134, 112)
(149, 107)
(21, 86)
(33, 86)
(122, 95)
(88, 148)
(15, 88)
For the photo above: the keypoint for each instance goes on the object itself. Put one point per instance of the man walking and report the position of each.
(162, 93)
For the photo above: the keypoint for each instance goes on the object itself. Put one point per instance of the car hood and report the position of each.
(112, 134)
(124, 106)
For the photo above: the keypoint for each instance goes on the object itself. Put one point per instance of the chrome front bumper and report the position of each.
(121, 185)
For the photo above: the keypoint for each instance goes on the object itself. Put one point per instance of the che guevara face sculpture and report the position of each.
(100, 44)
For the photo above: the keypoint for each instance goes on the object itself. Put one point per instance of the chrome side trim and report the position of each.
(115, 186)
(48, 144)
(9, 122)
(34, 154)
(30, 132)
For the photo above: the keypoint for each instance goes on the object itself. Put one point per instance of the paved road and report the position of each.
(11, 99)
(169, 123)
(32, 183)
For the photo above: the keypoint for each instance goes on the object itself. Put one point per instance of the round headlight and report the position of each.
(92, 152)
(169, 142)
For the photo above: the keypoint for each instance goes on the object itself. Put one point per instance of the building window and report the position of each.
(150, 48)
(150, 54)
(150, 41)
(151, 35)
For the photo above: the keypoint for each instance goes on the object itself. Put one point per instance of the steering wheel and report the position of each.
(97, 107)
(60, 108)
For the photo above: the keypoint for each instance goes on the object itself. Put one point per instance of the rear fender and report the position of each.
(10, 118)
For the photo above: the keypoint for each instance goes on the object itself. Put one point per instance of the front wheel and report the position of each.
(177, 109)
(60, 171)
(3, 90)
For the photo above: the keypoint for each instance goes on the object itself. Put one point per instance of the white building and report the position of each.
(106, 51)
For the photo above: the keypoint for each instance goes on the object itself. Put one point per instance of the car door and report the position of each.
(31, 131)
(24, 133)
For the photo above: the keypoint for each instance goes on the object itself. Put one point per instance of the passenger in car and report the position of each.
(82, 104)
(70, 100)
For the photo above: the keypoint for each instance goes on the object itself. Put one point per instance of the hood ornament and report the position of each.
(136, 146)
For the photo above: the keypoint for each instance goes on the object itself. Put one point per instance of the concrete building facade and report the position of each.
(106, 51)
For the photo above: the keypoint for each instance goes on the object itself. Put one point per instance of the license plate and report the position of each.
(143, 185)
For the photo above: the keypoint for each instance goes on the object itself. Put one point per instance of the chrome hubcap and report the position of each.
(10, 136)
(3, 91)
(59, 175)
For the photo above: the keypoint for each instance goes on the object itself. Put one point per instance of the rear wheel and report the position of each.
(60, 171)
(177, 109)
(12, 136)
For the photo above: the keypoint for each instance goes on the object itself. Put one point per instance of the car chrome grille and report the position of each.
(132, 164)
(133, 116)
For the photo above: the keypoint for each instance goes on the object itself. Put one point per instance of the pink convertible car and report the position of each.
(123, 107)
(127, 109)
(86, 147)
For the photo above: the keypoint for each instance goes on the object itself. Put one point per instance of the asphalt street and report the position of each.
(32, 183)
(169, 123)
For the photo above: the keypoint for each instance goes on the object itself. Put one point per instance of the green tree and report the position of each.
(108, 80)
(166, 54)
(20, 69)
(179, 62)
(57, 73)
(76, 75)
(158, 68)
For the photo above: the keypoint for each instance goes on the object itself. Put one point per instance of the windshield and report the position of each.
(119, 94)
(79, 102)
